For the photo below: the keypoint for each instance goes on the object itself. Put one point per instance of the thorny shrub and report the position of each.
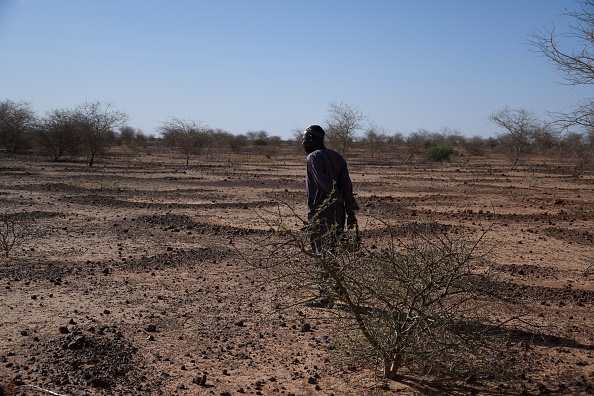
(14, 228)
(422, 297)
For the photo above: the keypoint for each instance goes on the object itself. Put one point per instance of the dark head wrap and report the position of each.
(317, 131)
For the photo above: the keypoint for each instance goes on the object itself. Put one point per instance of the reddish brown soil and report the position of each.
(129, 282)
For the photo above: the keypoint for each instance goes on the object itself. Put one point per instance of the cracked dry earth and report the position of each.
(130, 283)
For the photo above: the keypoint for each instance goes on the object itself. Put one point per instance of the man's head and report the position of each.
(313, 139)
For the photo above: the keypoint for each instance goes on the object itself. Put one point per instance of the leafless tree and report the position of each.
(546, 139)
(131, 141)
(451, 137)
(131, 137)
(375, 139)
(343, 123)
(576, 66)
(219, 141)
(58, 134)
(521, 126)
(97, 122)
(417, 142)
(238, 143)
(576, 63)
(189, 136)
(474, 145)
(577, 148)
(258, 137)
(14, 228)
(17, 120)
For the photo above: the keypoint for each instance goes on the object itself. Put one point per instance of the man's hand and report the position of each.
(351, 221)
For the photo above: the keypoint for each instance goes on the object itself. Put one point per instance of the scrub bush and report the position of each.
(440, 154)
(421, 296)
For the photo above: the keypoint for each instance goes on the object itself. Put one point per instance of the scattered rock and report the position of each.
(77, 343)
(201, 380)
(99, 382)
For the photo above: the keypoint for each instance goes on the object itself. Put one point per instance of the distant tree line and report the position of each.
(92, 128)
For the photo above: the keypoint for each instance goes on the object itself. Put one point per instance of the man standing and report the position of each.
(329, 194)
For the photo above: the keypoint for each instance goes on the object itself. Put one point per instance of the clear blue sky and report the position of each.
(244, 65)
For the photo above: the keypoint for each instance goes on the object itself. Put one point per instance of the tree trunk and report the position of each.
(391, 367)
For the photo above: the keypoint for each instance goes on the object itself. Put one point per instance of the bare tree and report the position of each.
(374, 138)
(131, 137)
(258, 138)
(451, 137)
(219, 141)
(343, 123)
(576, 147)
(96, 122)
(575, 64)
(521, 126)
(394, 143)
(546, 138)
(14, 228)
(131, 142)
(417, 142)
(189, 135)
(58, 133)
(474, 145)
(17, 120)
(238, 143)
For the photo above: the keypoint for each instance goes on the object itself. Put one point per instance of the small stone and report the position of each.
(199, 380)
(77, 344)
(151, 338)
(99, 382)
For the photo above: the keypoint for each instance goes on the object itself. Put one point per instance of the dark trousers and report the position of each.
(326, 228)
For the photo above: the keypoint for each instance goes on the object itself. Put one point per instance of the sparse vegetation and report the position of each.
(419, 298)
(589, 268)
(172, 229)
(14, 229)
(17, 120)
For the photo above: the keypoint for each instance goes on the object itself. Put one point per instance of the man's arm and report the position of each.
(350, 202)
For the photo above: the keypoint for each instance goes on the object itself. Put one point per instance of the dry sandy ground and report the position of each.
(130, 284)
